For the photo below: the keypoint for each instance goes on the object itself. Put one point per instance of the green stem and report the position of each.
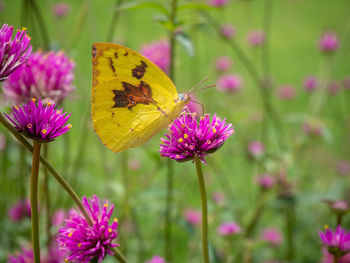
(290, 226)
(34, 201)
(256, 216)
(205, 248)
(115, 17)
(22, 172)
(335, 259)
(41, 23)
(47, 201)
(339, 218)
(118, 255)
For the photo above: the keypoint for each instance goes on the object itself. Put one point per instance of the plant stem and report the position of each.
(34, 200)
(47, 200)
(119, 255)
(256, 216)
(115, 17)
(41, 23)
(201, 183)
(290, 226)
(335, 259)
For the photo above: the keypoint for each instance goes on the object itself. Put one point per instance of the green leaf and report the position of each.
(196, 6)
(141, 5)
(186, 42)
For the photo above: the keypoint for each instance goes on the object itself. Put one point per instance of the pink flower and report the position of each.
(229, 228)
(218, 197)
(346, 83)
(328, 42)
(218, 3)
(194, 105)
(333, 87)
(256, 38)
(19, 211)
(223, 63)
(310, 83)
(265, 181)
(286, 92)
(134, 164)
(272, 235)
(156, 259)
(343, 167)
(159, 53)
(312, 129)
(58, 217)
(229, 83)
(329, 258)
(337, 242)
(228, 30)
(60, 9)
(193, 217)
(256, 148)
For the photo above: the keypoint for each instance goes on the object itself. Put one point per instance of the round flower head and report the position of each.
(329, 258)
(193, 217)
(333, 87)
(310, 83)
(26, 255)
(61, 9)
(256, 38)
(48, 76)
(286, 92)
(337, 242)
(218, 198)
(223, 63)
(156, 259)
(229, 228)
(229, 83)
(218, 3)
(13, 53)
(312, 128)
(83, 242)
(40, 122)
(272, 236)
(256, 149)
(159, 53)
(188, 139)
(228, 30)
(194, 106)
(265, 181)
(328, 42)
(19, 211)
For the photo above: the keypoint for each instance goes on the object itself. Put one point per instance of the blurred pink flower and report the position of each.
(218, 197)
(26, 255)
(313, 129)
(272, 235)
(159, 53)
(19, 211)
(346, 83)
(2, 141)
(193, 217)
(343, 167)
(60, 9)
(134, 164)
(218, 3)
(265, 181)
(328, 258)
(58, 217)
(329, 42)
(156, 259)
(229, 228)
(223, 63)
(256, 38)
(286, 92)
(194, 105)
(333, 87)
(310, 83)
(256, 148)
(228, 30)
(229, 83)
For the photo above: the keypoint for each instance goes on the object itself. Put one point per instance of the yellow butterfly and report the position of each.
(132, 99)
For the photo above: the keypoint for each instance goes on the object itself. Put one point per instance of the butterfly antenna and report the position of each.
(210, 86)
(202, 106)
(198, 84)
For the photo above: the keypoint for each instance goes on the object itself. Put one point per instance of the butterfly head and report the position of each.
(184, 97)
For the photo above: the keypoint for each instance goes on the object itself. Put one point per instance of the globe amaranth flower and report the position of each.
(26, 255)
(156, 259)
(229, 228)
(19, 211)
(188, 139)
(313, 128)
(337, 242)
(218, 198)
(265, 181)
(159, 53)
(333, 87)
(218, 3)
(40, 122)
(13, 53)
(329, 42)
(223, 63)
(229, 83)
(329, 258)
(227, 31)
(61, 9)
(48, 76)
(286, 92)
(83, 242)
(256, 38)
(256, 149)
(193, 217)
(272, 236)
(310, 83)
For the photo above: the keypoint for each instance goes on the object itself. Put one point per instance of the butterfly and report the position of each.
(132, 99)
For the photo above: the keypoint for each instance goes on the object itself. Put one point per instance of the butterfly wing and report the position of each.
(132, 99)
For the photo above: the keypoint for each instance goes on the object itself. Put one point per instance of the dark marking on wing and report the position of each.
(126, 53)
(93, 52)
(132, 95)
(111, 65)
(140, 70)
(116, 55)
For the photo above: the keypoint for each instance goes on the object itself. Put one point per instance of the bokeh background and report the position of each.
(310, 165)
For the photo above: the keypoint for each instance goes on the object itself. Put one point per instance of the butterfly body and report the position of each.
(132, 99)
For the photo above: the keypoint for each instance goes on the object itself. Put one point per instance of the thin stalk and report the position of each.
(119, 256)
(335, 259)
(290, 226)
(114, 20)
(201, 183)
(47, 201)
(41, 23)
(339, 218)
(34, 201)
(22, 172)
(266, 46)
(256, 216)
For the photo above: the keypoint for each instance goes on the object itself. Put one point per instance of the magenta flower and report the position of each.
(58, 217)
(218, 3)
(329, 258)
(229, 228)
(329, 42)
(333, 87)
(286, 92)
(229, 83)
(310, 83)
(60, 9)
(343, 167)
(223, 63)
(256, 149)
(26, 255)
(156, 259)
(19, 211)
(193, 217)
(47, 76)
(13, 53)
(337, 242)
(256, 38)
(159, 53)
(40, 122)
(83, 242)
(228, 31)
(265, 181)
(272, 236)
(188, 139)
